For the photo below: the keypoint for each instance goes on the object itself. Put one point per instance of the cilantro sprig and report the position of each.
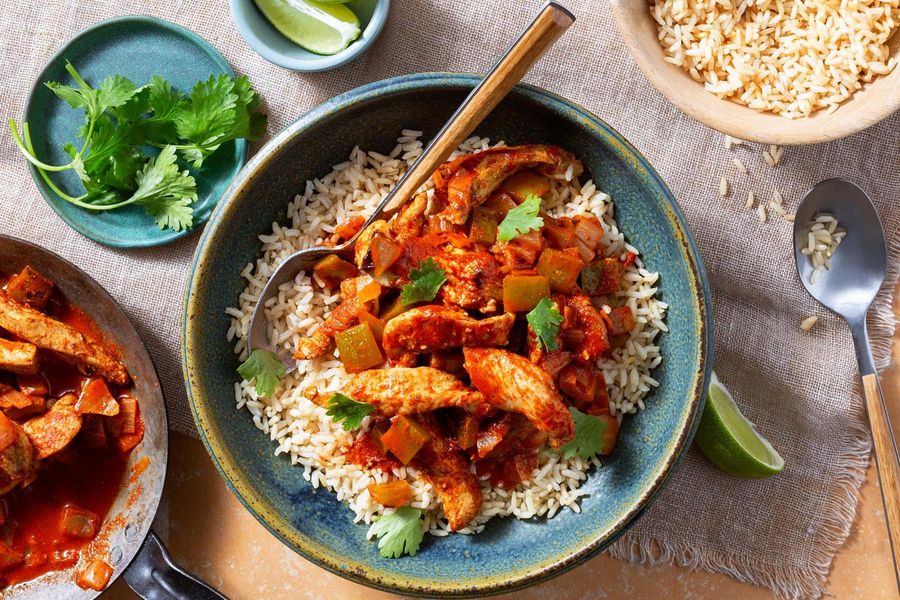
(588, 440)
(521, 219)
(264, 369)
(122, 120)
(347, 411)
(545, 320)
(399, 533)
(424, 283)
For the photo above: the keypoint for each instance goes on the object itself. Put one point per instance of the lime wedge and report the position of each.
(323, 28)
(730, 441)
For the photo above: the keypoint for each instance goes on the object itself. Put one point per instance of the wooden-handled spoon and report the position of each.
(857, 271)
(550, 23)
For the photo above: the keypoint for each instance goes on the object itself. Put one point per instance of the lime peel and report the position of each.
(730, 441)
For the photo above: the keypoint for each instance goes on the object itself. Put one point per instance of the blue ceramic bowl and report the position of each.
(510, 553)
(137, 47)
(269, 43)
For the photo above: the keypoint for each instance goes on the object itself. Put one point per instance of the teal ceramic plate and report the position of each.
(136, 47)
(510, 553)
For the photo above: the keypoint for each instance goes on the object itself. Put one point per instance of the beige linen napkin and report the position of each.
(799, 388)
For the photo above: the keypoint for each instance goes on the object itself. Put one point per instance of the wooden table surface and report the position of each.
(210, 533)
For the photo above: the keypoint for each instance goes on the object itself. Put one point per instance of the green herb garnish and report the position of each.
(588, 440)
(399, 533)
(424, 283)
(545, 320)
(521, 219)
(264, 369)
(121, 120)
(343, 408)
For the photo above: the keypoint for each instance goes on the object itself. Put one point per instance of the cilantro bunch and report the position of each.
(124, 123)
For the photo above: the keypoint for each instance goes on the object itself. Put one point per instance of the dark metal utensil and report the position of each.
(848, 289)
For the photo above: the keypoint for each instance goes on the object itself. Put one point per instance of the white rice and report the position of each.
(790, 57)
(823, 237)
(312, 441)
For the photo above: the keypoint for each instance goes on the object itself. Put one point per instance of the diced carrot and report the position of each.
(332, 270)
(369, 293)
(78, 522)
(524, 183)
(8, 433)
(405, 438)
(560, 268)
(521, 293)
(391, 494)
(467, 436)
(385, 252)
(94, 576)
(358, 348)
(33, 385)
(96, 399)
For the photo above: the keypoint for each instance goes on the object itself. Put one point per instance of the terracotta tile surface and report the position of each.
(209, 532)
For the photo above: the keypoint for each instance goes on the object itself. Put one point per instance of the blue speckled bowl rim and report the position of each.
(222, 457)
(241, 145)
(318, 62)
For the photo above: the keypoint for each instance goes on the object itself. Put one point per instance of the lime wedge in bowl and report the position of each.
(320, 27)
(729, 440)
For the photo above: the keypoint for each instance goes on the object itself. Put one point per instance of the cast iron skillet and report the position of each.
(134, 550)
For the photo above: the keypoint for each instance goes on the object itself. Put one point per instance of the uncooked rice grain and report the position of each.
(302, 431)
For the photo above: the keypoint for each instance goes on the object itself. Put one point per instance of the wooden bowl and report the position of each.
(874, 102)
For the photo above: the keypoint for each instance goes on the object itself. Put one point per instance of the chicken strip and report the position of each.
(473, 276)
(512, 382)
(343, 317)
(430, 328)
(409, 221)
(55, 429)
(16, 460)
(596, 338)
(49, 334)
(19, 357)
(449, 471)
(407, 391)
(476, 179)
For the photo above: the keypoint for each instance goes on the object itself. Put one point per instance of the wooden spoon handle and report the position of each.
(546, 28)
(886, 459)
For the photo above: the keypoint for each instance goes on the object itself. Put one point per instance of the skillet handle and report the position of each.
(153, 576)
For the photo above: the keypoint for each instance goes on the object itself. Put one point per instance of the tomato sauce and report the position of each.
(90, 481)
(81, 476)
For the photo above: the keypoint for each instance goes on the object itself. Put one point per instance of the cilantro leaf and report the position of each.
(424, 283)
(264, 369)
(399, 533)
(346, 409)
(166, 192)
(588, 439)
(521, 220)
(545, 320)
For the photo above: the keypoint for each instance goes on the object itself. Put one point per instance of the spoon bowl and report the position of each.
(859, 264)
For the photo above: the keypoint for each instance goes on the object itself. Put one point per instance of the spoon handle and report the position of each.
(886, 460)
(544, 30)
